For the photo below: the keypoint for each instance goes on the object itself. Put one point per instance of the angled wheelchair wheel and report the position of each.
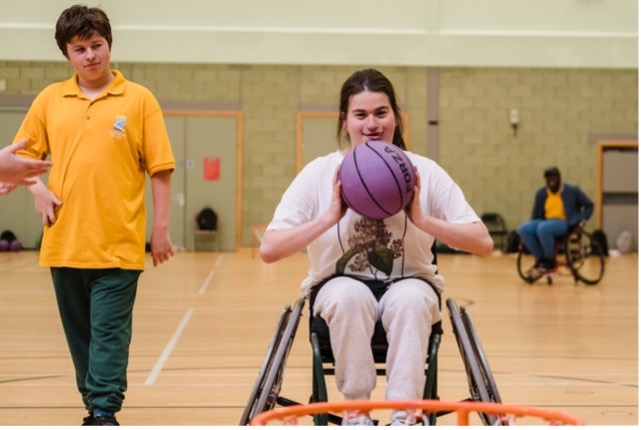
(584, 257)
(479, 375)
(265, 393)
(524, 262)
(481, 358)
(250, 409)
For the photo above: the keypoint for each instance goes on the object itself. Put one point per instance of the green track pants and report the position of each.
(96, 308)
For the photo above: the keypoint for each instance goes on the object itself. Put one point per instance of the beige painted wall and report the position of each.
(561, 111)
(569, 67)
(487, 33)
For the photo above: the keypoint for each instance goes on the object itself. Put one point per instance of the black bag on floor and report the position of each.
(8, 236)
(207, 219)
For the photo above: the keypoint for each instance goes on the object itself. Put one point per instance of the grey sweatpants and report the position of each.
(407, 310)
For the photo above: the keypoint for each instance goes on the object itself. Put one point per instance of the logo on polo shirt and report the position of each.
(118, 130)
(119, 123)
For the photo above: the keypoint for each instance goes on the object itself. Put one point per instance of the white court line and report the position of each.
(151, 379)
(205, 284)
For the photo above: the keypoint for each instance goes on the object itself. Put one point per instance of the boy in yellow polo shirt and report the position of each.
(558, 207)
(104, 134)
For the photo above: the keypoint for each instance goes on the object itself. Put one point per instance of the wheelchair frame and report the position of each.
(576, 251)
(265, 394)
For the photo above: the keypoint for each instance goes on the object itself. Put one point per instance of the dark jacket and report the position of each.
(577, 206)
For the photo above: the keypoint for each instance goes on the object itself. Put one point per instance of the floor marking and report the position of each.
(205, 284)
(151, 379)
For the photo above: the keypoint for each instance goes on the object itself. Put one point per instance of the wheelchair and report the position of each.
(265, 394)
(577, 255)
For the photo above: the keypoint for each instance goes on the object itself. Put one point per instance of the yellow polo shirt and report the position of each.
(101, 150)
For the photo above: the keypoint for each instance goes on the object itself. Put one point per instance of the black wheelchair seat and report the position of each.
(379, 340)
(323, 363)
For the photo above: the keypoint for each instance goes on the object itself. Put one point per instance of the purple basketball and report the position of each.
(15, 245)
(377, 179)
(4, 245)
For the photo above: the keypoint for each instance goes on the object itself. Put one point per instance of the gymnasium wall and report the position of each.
(562, 112)
(501, 33)
(568, 66)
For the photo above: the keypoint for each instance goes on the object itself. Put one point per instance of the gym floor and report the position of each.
(203, 321)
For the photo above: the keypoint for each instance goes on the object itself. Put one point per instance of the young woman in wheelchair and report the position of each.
(558, 208)
(352, 257)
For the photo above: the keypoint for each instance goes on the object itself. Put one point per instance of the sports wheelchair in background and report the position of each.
(265, 394)
(577, 254)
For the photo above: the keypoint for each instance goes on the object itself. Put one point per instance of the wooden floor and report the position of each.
(203, 321)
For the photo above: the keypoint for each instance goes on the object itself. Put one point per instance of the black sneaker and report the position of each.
(101, 420)
(86, 421)
(546, 264)
(535, 272)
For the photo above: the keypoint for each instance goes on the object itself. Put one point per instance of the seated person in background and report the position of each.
(557, 208)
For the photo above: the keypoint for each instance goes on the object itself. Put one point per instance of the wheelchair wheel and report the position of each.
(584, 257)
(265, 393)
(524, 262)
(484, 365)
(479, 375)
(250, 409)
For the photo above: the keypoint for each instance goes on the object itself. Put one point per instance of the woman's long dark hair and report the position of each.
(374, 81)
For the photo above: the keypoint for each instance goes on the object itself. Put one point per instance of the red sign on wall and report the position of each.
(211, 170)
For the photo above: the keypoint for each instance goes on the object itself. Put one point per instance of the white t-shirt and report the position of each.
(368, 249)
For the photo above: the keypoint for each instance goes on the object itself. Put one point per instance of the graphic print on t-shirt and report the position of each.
(370, 249)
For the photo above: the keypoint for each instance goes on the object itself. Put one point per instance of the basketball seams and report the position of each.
(392, 173)
(374, 191)
(364, 183)
(349, 203)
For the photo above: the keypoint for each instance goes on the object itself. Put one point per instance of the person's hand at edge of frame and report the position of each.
(15, 170)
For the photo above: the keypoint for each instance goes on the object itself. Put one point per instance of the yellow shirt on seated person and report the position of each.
(554, 206)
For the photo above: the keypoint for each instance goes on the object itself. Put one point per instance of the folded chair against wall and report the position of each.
(497, 228)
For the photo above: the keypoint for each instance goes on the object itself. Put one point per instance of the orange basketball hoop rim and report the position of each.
(507, 413)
